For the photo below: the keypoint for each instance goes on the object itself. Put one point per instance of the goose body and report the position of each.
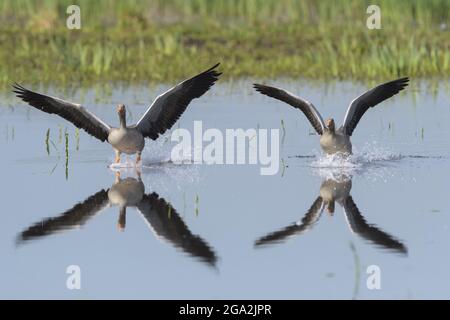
(127, 192)
(126, 140)
(165, 110)
(335, 190)
(334, 140)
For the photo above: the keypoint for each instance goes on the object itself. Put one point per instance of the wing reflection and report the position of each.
(369, 232)
(129, 192)
(168, 225)
(71, 219)
(310, 218)
(332, 191)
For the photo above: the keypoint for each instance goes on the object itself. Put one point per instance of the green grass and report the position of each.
(132, 41)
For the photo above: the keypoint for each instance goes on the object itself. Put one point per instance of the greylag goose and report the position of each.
(161, 217)
(129, 139)
(332, 191)
(334, 140)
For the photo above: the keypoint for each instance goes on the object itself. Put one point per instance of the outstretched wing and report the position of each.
(310, 218)
(369, 232)
(168, 107)
(370, 99)
(304, 106)
(167, 224)
(72, 112)
(72, 218)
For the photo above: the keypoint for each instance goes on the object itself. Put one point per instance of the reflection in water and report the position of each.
(332, 191)
(161, 217)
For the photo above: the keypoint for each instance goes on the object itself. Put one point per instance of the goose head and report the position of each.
(330, 125)
(330, 208)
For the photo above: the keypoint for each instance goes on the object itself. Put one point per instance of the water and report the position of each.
(225, 231)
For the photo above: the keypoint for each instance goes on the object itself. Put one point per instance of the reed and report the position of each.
(135, 42)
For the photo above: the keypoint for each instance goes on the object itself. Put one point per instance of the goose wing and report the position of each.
(304, 106)
(72, 112)
(310, 218)
(370, 99)
(165, 222)
(168, 107)
(71, 219)
(358, 225)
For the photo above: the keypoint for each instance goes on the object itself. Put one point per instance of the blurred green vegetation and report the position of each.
(132, 41)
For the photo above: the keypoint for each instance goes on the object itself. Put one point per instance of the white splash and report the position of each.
(157, 170)
(371, 153)
(370, 157)
(161, 173)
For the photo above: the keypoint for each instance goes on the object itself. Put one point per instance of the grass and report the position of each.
(357, 273)
(47, 145)
(132, 41)
(49, 141)
(197, 200)
(66, 135)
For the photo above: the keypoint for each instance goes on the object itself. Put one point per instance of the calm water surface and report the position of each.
(225, 231)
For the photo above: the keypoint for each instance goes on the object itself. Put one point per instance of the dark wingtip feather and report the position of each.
(213, 72)
(18, 89)
(261, 88)
(215, 66)
(268, 91)
(256, 86)
(402, 82)
(15, 85)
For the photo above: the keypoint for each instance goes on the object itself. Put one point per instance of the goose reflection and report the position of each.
(332, 191)
(160, 216)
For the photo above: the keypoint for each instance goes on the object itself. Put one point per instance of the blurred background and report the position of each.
(162, 40)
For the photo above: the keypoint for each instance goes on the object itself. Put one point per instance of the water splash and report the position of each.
(157, 152)
(372, 160)
(370, 154)
(162, 173)
(158, 171)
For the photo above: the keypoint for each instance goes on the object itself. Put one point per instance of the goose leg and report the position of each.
(138, 158)
(117, 159)
(138, 172)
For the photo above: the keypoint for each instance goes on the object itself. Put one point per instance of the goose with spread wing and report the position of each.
(332, 191)
(165, 110)
(162, 219)
(334, 140)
